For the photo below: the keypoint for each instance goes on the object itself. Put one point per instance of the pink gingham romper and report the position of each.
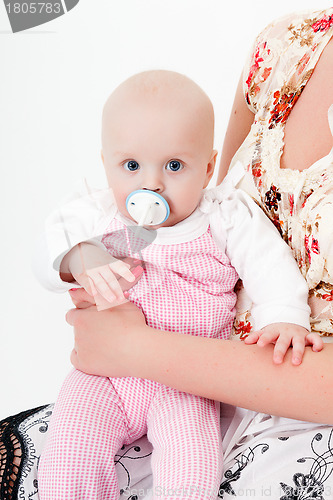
(187, 287)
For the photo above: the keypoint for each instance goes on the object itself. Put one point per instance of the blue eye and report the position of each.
(131, 165)
(174, 166)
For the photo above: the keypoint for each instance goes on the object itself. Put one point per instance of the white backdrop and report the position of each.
(54, 81)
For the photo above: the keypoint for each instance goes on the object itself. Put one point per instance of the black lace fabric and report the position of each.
(12, 453)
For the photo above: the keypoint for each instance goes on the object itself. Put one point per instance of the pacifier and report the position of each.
(147, 208)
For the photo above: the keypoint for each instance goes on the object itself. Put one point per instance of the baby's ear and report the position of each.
(210, 167)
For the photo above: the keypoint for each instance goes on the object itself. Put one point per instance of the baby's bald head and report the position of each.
(161, 91)
(157, 134)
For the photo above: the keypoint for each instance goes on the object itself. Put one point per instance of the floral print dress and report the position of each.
(300, 203)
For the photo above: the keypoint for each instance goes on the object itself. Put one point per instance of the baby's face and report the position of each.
(158, 147)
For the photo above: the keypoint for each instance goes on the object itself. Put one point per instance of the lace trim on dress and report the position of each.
(13, 453)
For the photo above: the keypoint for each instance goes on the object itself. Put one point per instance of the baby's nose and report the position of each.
(153, 183)
(156, 190)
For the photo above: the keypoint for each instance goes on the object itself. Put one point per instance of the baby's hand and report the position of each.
(103, 282)
(102, 275)
(284, 335)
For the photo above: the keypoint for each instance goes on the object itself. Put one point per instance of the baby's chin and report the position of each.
(172, 220)
(167, 223)
(158, 226)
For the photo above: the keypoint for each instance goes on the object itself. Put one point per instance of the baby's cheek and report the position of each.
(189, 200)
(119, 197)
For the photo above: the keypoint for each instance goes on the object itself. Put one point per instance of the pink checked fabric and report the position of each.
(187, 287)
(95, 416)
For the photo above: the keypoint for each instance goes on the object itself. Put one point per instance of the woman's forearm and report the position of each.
(229, 371)
(241, 375)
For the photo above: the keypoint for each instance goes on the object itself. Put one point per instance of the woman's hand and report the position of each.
(80, 298)
(106, 342)
(118, 343)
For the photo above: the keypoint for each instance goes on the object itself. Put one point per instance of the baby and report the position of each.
(157, 136)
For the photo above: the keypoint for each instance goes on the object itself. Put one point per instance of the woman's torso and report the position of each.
(288, 84)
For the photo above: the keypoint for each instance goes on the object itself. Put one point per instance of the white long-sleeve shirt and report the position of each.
(244, 239)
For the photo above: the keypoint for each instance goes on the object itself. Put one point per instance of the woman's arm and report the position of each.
(229, 371)
(239, 125)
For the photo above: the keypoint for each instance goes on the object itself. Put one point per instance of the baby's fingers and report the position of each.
(105, 283)
(91, 286)
(123, 269)
(104, 288)
(280, 349)
(85, 281)
(268, 337)
(314, 340)
(252, 338)
(298, 350)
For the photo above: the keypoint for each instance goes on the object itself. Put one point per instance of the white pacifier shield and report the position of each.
(147, 208)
